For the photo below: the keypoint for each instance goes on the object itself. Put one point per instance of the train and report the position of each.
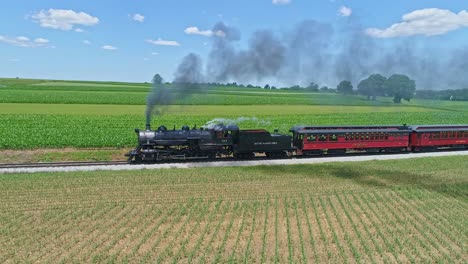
(229, 141)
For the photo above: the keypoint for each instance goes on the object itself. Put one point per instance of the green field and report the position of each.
(378, 211)
(80, 92)
(78, 114)
(38, 131)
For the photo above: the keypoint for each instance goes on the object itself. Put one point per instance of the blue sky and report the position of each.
(131, 40)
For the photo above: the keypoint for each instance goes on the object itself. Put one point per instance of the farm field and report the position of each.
(88, 92)
(83, 131)
(380, 211)
(44, 114)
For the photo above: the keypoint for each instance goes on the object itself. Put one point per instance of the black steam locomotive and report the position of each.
(208, 143)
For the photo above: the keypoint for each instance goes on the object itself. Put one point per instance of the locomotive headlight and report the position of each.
(146, 136)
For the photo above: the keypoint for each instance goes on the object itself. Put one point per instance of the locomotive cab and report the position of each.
(225, 134)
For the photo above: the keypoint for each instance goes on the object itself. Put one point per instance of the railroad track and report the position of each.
(193, 161)
(59, 164)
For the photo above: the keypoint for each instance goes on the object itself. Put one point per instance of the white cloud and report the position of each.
(162, 42)
(63, 19)
(79, 30)
(138, 17)
(41, 40)
(22, 38)
(109, 47)
(196, 31)
(146, 59)
(86, 42)
(154, 53)
(24, 42)
(345, 11)
(14, 60)
(281, 2)
(428, 22)
(208, 33)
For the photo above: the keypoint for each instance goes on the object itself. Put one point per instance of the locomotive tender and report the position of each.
(230, 141)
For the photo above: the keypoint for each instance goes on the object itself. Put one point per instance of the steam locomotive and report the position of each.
(222, 140)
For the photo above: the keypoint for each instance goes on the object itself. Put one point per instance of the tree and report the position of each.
(372, 86)
(313, 87)
(157, 79)
(400, 87)
(324, 89)
(267, 87)
(345, 87)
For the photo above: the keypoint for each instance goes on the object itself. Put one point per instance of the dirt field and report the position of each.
(381, 211)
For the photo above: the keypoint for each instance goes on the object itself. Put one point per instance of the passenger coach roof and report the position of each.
(347, 128)
(439, 127)
(344, 131)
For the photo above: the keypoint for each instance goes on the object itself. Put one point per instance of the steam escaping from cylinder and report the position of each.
(226, 121)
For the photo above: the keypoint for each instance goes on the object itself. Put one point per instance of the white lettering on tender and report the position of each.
(265, 143)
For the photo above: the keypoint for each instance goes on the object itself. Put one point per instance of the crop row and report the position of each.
(381, 212)
(34, 131)
(388, 227)
(211, 97)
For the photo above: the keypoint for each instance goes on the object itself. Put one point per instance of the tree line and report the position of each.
(398, 86)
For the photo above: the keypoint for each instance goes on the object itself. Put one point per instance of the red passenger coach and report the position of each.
(341, 139)
(433, 137)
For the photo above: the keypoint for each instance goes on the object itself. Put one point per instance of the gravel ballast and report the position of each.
(187, 165)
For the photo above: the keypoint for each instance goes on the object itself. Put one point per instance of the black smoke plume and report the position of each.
(159, 96)
(318, 52)
(188, 79)
(265, 56)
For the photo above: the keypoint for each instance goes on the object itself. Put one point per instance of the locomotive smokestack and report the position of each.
(148, 126)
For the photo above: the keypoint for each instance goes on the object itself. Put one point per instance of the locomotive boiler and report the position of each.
(184, 143)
